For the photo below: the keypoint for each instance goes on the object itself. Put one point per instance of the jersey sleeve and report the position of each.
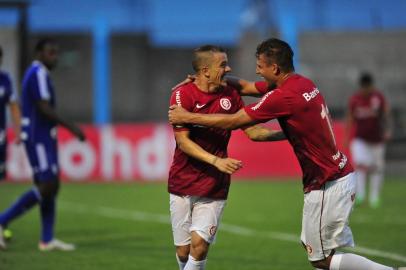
(39, 85)
(181, 97)
(262, 87)
(273, 105)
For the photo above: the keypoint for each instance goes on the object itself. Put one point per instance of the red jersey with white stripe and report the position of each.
(189, 176)
(367, 111)
(303, 115)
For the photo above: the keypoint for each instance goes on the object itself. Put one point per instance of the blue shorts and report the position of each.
(43, 157)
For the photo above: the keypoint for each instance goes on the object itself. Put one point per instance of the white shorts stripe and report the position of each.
(42, 83)
(42, 156)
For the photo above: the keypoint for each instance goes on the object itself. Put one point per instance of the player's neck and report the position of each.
(204, 85)
(367, 91)
(284, 77)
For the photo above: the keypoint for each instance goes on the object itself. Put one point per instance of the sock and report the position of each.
(349, 261)
(47, 210)
(192, 264)
(181, 264)
(361, 181)
(375, 187)
(24, 203)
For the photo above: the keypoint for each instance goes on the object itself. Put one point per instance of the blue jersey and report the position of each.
(38, 132)
(37, 85)
(6, 95)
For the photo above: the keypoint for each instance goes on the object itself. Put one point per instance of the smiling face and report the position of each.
(268, 71)
(217, 69)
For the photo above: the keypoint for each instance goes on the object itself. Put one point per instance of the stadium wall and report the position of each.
(143, 152)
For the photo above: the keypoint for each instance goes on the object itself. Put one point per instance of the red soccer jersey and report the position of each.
(303, 115)
(367, 112)
(189, 176)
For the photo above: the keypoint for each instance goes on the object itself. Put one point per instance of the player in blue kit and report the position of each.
(7, 97)
(39, 134)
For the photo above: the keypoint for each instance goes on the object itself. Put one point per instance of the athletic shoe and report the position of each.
(7, 234)
(2, 241)
(55, 244)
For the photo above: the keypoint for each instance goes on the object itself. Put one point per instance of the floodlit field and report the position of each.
(126, 226)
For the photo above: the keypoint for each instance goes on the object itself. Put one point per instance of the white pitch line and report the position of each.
(110, 212)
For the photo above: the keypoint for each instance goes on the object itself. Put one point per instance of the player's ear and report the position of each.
(276, 70)
(205, 71)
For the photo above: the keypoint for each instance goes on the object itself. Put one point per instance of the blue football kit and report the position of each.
(38, 133)
(7, 95)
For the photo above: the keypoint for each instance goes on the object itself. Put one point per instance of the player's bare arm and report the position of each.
(46, 110)
(177, 115)
(244, 87)
(226, 165)
(16, 119)
(260, 133)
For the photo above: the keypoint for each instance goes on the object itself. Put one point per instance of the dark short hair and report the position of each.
(366, 79)
(201, 55)
(39, 47)
(277, 51)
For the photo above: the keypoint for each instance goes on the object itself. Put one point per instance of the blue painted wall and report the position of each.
(188, 22)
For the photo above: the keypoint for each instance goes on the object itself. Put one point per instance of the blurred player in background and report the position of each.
(199, 177)
(369, 118)
(8, 97)
(328, 178)
(39, 134)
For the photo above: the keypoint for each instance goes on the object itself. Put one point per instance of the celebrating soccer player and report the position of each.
(328, 178)
(199, 177)
(39, 134)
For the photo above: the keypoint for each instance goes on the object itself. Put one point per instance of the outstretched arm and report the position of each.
(47, 111)
(246, 88)
(16, 118)
(177, 116)
(260, 133)
(189, 147)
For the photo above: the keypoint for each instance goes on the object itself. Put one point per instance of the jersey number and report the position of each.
(325, 115)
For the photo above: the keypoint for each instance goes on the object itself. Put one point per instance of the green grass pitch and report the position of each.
(126, 226)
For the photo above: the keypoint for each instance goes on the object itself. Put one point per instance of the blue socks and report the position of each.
(24, 203)
(47, 209)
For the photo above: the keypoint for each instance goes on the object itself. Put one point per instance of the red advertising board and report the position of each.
(143, 152)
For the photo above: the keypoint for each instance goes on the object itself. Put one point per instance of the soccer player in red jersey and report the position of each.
(199, 177)
(328, 178)
(369, 116)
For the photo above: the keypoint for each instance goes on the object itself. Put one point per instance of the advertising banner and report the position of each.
(143, 152)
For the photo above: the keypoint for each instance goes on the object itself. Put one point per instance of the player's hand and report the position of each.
(227, 165)
(177, 115)
(189, 79)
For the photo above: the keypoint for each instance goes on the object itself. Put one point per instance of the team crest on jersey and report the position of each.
(225, 103)
(309, 249)
(212, 230)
